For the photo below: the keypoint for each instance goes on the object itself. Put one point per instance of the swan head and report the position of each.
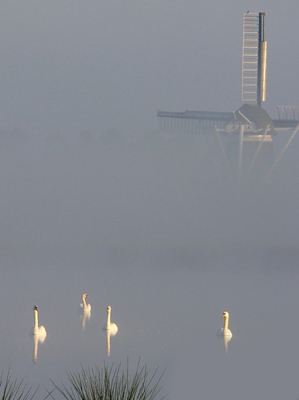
(84, 295)
(108, 309)
(225, 314)
(35, 308)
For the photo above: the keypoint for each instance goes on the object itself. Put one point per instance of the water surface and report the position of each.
(168, 309)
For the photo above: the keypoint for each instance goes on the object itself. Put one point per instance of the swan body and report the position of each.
(225, 331)
(110, 326)
(38, 330)
(84, 306)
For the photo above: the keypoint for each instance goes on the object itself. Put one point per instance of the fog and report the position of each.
(95, 199)
(75, 76)
(159, 229)
(85, 191)
(110, 65)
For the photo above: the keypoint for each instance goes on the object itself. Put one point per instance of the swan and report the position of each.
(38, 330)
(225, 331)
(84, 306)
(110, 326)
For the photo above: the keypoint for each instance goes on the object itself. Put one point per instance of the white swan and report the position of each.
(84, 306)
(38, 330)
(225, 331)
(110, 326)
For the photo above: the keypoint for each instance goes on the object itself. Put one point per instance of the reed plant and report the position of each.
(14, 389)
(112, 383)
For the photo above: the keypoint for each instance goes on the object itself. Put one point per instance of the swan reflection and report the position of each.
(39, 333)
(108, 334)
(85, 316)
(111, 330)
(36, 339)
(226, 340)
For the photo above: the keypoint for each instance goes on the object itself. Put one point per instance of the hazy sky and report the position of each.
(68, 67)
(95, 65)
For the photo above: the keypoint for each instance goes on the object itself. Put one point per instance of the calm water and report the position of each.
(168, 310)
(136, 226)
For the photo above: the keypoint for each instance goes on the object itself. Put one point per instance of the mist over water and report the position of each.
(63, 191)
(157, 228)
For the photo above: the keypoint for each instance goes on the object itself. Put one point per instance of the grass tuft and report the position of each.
(112, 383)
(14, 389)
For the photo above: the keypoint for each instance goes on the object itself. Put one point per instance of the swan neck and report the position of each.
(108, 319)
(225, 324)
(84, 303)
(35, 326)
